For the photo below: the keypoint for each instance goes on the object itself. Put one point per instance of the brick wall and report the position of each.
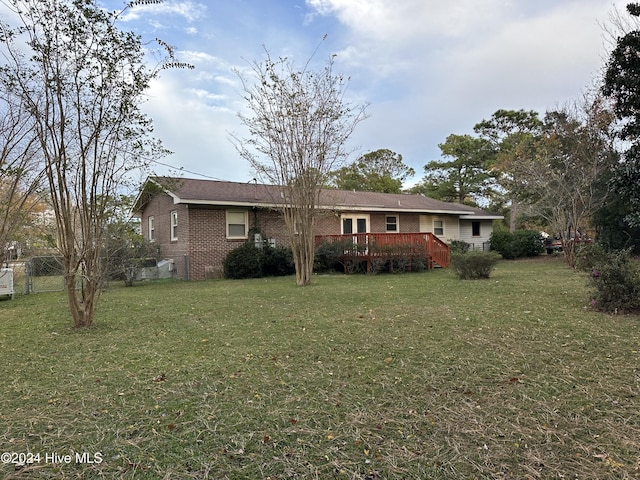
(409, 223)
(271, 224)
(160, 207)
(209, 244)
(328, 223)
(202, 243)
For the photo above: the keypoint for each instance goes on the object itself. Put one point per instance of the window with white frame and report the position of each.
(174, 225)
(438, 227)
(237, 221)
(152, 228)
(392, 223)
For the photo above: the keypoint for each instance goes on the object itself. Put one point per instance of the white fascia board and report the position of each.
(481, 217)
(374, 208)
(133, 213)
(221, 203)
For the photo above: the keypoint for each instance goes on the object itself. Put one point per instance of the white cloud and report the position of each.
(194, 123)
(202, 58)
(190, 11)
(433, 68)
(429, 68)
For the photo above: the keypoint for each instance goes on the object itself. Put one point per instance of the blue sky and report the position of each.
(428, 68)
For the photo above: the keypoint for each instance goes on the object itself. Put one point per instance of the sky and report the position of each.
(426, 68)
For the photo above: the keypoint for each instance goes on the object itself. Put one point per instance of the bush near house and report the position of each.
(249, 261)
(459, 246)
(474, 265)
(518, 244)
(327, 258)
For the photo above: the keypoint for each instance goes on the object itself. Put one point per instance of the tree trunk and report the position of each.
(513, 215)
(303, 256)
(81, 304)
(81, 312)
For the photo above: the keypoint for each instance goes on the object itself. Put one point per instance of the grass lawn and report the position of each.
(412, 376)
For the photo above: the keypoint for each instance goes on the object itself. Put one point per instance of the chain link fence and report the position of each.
(46, 273)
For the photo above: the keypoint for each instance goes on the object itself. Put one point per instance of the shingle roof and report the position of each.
(214, 192)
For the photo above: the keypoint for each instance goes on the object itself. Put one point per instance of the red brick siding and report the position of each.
(202, 243)
(328, 223)
(209, 244)
(271, 224)
(409, 223)
(160, 207)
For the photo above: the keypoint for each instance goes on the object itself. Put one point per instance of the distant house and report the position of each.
(198, 222)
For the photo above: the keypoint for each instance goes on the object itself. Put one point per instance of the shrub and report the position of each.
(521, 243)
(277, 261)
(459, 246)
(249, 261)
(588, 256)
(327, 256)
(500, 242)
(474, 265)
(528, 243)
(616, 283)
(243, 262)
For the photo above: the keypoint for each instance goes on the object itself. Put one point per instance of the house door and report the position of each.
(355, 224)
(358, 226)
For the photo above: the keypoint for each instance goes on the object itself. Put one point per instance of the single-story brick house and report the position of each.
(198, 222)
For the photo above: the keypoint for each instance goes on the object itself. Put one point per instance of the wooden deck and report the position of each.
(388, 247)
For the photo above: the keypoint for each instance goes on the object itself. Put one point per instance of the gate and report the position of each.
(44, 274)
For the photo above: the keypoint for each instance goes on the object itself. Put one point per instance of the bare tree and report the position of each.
(619, 24)
(566, 179)
(82, 81)
(298, 132)
(19, 169)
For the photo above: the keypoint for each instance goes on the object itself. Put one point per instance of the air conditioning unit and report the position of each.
(6, 282)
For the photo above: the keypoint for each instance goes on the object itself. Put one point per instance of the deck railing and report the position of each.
(371, 246)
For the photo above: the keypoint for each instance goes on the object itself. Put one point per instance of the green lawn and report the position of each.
(412, 376)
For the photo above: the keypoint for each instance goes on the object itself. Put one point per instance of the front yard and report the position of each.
(408, 376)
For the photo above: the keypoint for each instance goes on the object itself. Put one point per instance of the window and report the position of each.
(237, 224)
(174, 225)
(475, 229)
(438, 227)
(392, 223)
(152, 228)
